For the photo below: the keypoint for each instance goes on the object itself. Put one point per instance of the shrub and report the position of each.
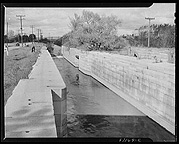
(95, 31)
(50, 48)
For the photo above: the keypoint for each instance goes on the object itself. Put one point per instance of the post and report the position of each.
(149, 30)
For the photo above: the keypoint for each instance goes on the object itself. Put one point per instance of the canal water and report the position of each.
(93, 110)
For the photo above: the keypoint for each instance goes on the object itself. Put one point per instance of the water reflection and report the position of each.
(118, 126)
(93, 121)
(95, 111)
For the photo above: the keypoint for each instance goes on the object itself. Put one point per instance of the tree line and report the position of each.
(161, 36)
(90, 31)
(17, 38)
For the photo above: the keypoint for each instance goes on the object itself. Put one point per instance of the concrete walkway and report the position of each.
(30, 111)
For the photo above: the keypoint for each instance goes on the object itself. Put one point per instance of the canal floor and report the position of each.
(95, 111)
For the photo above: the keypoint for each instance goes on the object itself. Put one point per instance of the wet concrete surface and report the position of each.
(95, 111)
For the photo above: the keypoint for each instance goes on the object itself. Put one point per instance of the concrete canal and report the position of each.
(95, 111)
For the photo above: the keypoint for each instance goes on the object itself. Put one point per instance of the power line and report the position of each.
(21, 18)
(149, 30)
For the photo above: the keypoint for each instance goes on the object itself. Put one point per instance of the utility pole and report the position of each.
(32, 26)
(149, 30)
(21, 18)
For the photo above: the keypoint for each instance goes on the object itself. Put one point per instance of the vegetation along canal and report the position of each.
(95, 111)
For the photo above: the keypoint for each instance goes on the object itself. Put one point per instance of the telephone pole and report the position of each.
(149, 30)
(21, 18)
(32, 26)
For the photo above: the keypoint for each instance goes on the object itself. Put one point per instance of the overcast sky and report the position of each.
(56, 20)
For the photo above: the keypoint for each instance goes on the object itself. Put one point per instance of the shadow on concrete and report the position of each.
(24, 110)
(32, 121)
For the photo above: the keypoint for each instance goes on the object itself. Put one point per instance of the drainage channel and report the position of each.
(95, 111)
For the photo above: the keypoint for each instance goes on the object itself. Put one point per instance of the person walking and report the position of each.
(33, 48)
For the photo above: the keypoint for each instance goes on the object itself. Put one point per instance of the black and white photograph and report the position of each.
(89, 73)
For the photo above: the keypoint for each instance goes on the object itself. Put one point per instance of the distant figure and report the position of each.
(6, 50)
(130, 51)
(157, 60)
(136, 55)
(77, 56)
(77, 77)
(17, 44)
(33, 49)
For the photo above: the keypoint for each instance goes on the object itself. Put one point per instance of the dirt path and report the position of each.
(17, 65)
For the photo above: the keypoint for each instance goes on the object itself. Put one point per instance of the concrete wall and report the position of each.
(153, 54)
(37, 107)
(70, 55)
(148, 86)
(149, 53)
